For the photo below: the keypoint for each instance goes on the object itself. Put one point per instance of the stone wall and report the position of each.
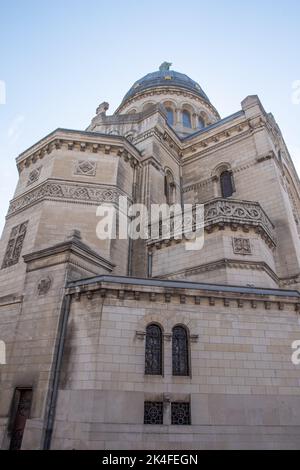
(243, 387)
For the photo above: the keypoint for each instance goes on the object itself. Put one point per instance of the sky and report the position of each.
(60, 59)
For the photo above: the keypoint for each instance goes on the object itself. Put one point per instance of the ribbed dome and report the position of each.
(165, 78)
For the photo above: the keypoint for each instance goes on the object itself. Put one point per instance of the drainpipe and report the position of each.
(54, 380)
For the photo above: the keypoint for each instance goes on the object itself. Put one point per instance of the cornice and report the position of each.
(161, 290)
(215, 140)
(223, 263)
(289, 281)
(167, 91)
(60, 253)
(82, 141)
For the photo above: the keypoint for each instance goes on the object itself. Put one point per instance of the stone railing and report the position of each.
(232, 211)
(221, 212)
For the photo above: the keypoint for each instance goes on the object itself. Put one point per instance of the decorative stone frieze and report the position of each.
(54, 190)
(240, 212)
(224, 212)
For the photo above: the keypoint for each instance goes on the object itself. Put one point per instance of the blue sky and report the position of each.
(60, 59)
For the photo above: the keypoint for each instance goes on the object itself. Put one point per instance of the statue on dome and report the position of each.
(165, 66)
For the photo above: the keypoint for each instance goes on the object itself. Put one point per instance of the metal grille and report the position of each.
(180, 413)
(180, 356)
(153, 353)
(226, 184)
(153, 412)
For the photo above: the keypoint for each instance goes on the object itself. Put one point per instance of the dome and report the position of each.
(165, 77)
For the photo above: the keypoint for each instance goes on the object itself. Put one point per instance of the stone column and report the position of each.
(177, 120)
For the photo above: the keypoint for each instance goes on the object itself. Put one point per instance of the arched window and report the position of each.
(226, 181)
(201, 122)
(170, 116)
(186, 119)
(153, 352)
(180, 352)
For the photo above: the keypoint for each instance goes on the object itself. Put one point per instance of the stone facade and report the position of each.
(74, 309)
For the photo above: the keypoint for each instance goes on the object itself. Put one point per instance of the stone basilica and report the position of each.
(142, 344)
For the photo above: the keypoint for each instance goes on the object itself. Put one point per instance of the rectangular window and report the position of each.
(19, 414)
(15, 244)
(153, 412)
(180, 413)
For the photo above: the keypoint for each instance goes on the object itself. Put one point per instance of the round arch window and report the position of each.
(186, 119)
(170, 116)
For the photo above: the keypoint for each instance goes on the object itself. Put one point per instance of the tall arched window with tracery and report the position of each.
(153, 350)
(180, 351)
(226, 181)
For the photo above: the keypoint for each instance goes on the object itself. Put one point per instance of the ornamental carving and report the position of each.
(220, 212)
(44, 285)
(85, 168)
(15, 244)
(248, 212)
(67, 191)
(34, 175)
(241, 246)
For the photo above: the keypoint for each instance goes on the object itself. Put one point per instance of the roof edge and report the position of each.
(151, 282)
